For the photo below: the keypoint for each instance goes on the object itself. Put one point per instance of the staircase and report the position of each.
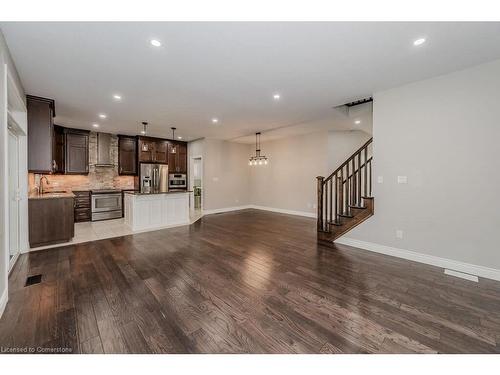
(345, 197)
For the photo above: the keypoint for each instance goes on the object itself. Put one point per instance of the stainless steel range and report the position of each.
(106, 204)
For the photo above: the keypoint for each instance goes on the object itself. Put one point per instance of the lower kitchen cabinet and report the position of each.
(82, 206)
(50, 220)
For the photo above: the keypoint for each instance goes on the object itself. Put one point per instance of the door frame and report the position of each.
(191, 179)
(12, 262)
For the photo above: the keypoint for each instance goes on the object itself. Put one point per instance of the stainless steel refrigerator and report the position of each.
(154, 178)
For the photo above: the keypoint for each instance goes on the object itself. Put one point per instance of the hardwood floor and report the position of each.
(243, 282)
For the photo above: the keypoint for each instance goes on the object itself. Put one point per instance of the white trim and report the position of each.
(471, 269)
(462, 275)
(225, 209)
(263, 208)
(3, 301)
(283, 211)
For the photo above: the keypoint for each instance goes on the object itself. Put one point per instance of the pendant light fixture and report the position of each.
(258, 159)
(174, 149)
(144, 126)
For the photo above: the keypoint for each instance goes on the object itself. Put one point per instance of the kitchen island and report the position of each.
(144, 211)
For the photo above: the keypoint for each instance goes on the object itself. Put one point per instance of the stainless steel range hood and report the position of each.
(104, 150)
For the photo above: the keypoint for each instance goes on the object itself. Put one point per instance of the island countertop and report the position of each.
(136, 192)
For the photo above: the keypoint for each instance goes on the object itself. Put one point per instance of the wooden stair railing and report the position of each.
(345, 196)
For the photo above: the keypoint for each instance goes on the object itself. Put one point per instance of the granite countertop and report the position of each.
(136, 192)
(50, 195)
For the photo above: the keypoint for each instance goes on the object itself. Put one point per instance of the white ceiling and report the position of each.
(231, 70)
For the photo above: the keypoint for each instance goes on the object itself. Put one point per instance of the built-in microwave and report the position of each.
(177, 181)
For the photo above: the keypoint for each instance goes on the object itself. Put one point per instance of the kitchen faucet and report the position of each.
(40, 188)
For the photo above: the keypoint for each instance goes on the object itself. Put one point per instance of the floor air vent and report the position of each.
(32, 280)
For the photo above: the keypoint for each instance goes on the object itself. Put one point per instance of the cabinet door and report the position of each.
(182, 158)
(127, 156)
(77, 153)
(58, 150)
(40, 128)
(172, 157)
(146, 151)
(161, 152)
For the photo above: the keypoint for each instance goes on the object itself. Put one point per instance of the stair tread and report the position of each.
(336, 223)
(360, 207)
(346, 215)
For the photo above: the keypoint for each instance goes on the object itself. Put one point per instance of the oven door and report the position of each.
(177, 184)
(106, 202)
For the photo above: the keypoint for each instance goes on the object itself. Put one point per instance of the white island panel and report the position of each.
(152, 211)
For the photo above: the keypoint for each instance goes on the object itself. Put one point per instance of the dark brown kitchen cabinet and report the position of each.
(41, 112)
(82, 206)
(50, 221)
(146, 150)
(58, 150)
(153, 150)
(177, 157)
(127, 155)
(161, 151)
(77, 151)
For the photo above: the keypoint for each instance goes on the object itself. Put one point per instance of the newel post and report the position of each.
(320, 202)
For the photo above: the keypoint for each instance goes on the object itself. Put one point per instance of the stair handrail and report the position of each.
(349, 159)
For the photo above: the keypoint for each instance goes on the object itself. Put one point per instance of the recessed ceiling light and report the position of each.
(155, 42)
(179, 137)
(419, 41)
(215, 120)
(276, 96)
(102, 115)
(95, 125)
(143, 132)
(117, 97)
(357, 122)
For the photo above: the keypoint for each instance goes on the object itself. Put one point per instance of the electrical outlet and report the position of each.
(237, 200)
(215, 179)
(402, 180)
(399, 234)
(380, 179)
(314, 205)
(309, 205)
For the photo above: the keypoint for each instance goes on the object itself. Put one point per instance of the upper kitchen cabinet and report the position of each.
(146, 150)
(153, 150)
(127, 155)
(161, 151)
(58, 149)
(77, 151)
(177, 157)
(41, 112)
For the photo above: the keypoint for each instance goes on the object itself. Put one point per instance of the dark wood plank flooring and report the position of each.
(243, 282)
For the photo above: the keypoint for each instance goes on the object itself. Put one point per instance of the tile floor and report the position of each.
(98, 230)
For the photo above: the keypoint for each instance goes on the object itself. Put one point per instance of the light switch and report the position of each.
(402, 179)
(399, 234)
(215, 179)
(380, 179)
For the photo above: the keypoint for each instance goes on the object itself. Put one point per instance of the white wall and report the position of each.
(342, 144)
(8, 72)
(226, 178)
(288, 182)
(443, 134)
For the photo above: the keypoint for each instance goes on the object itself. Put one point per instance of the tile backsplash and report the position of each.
(98, 177)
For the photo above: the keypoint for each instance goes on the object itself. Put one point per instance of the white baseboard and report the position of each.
(225, 209)
(283, 211)
(3, 301)
(471, 269)
(264, 208)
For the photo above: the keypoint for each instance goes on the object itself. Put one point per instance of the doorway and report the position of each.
(14, 197)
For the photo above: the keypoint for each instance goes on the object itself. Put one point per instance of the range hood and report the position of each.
(104, 150)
